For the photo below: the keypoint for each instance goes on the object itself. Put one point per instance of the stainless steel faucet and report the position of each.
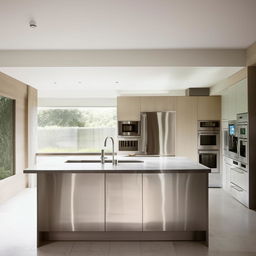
(113, 148)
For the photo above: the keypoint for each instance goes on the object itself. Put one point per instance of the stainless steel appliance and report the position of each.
(158, 133)
(208, 125)
(208, 140)
(208, 135)
(129, 144)
(243, 150)
(242, 133)
(210, 159)
(129, 128)
(209, 149)
(232, 140)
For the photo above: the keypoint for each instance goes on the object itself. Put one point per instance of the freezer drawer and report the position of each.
(123, 202)
(239, 177)
(175, 202)
(70, 202)
(239, 194)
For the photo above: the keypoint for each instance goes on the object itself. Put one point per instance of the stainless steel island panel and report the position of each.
(71, 202)
(123, 202)
(175, 202)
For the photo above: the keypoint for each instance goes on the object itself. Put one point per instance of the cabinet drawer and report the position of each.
(239, 194)
(239, 177)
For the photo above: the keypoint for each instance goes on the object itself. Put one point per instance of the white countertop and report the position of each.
(152, 164)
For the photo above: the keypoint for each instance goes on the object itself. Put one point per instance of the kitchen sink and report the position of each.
(106, 161)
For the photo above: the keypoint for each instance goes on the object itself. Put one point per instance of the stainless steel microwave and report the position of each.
(128, 128)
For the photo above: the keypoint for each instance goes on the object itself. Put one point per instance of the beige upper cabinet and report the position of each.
(186, 127)
(209, 108)
(158, 103)
(128, 108)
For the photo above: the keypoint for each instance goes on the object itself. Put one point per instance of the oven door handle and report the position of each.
(237, 170)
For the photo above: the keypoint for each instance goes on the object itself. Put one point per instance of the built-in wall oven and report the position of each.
(232, 140)
(209, 149)
(129, 141)
(243, 150)
(208, 135)
(208, 140)
(242, 133)
(128, 128)
(210, 159)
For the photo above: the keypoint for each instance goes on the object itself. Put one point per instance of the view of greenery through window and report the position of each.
(72, 129)
(6, 137)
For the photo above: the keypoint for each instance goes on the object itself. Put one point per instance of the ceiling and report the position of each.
(108, 82)
(124, 24)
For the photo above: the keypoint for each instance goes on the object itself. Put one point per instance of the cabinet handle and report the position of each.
(236, 188)
(237, 170)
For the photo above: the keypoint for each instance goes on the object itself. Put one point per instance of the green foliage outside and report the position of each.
(61, 118)
(6, 137)
(77, 117)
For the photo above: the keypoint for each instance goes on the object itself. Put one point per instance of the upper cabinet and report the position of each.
(234, 100)
(209, 108)
(128, 108)
(158, 103)
(186, 127)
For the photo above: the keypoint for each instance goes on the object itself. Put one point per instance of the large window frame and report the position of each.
(99, 133)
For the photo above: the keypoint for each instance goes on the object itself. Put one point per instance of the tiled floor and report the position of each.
(232, 233)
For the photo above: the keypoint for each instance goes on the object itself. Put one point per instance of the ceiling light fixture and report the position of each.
(32, 24)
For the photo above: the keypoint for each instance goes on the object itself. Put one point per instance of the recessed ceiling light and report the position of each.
(32, 24)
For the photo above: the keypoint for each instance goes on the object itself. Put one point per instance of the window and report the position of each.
(72, 129)
(7, 128)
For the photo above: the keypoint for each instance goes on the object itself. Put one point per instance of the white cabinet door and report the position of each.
(241, 97)
(226, 176)
(234, 100)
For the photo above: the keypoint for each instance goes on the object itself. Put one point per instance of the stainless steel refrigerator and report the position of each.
(158, 133)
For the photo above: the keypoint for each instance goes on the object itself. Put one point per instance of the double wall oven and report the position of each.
(209, 149)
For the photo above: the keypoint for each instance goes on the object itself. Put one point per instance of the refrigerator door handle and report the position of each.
(143, 133)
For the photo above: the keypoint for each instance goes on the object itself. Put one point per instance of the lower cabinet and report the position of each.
(226, 173)
(123, 202)
(175, 202)
(71, 202)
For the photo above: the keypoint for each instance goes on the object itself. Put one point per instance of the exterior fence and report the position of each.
(74, 139)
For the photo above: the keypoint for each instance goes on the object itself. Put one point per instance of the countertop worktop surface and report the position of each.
(149, 164)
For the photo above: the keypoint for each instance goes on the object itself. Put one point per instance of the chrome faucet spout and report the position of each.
(113, 147)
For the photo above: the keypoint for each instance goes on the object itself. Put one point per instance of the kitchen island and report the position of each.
(141, 198)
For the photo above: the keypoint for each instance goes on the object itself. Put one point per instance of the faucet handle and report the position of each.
(102, 156)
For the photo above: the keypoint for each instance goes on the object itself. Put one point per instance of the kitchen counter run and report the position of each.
(149, 165)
